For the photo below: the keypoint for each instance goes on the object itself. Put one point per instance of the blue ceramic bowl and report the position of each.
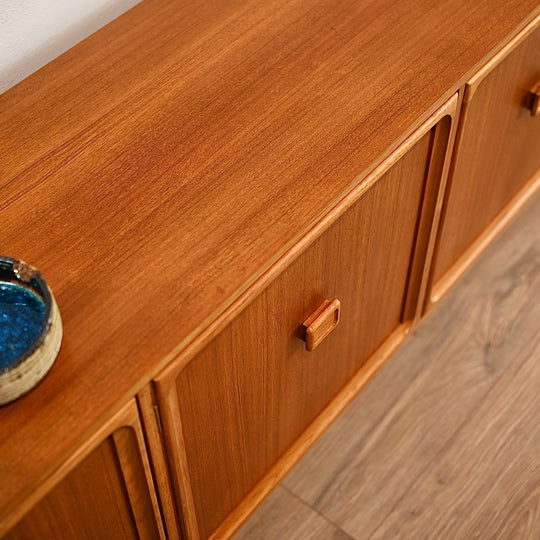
(30, 328)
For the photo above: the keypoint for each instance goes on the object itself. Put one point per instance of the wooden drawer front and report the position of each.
(498, 149)
(107, 493)
(242, 401)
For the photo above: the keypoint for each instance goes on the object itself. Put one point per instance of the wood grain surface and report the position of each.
(105, 490)
(444, 442)
(490, 170)
(90, 503)
(155, 170)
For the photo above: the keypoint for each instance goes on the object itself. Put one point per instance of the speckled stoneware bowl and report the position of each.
(30, 328)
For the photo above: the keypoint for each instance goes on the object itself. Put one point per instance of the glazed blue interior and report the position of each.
(22, 318)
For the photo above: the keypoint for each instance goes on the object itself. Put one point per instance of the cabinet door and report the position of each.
(238, 405)
(498, 152)
(103, 491)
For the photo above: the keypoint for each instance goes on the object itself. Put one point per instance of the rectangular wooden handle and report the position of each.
(321, 322)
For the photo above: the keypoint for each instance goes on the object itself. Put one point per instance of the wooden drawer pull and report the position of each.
(535, 100)
(321, 322)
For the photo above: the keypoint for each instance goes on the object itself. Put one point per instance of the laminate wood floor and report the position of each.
(444, 443)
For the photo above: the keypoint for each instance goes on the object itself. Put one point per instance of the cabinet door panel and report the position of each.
(105, 495)
(498, 150)
(247, 396)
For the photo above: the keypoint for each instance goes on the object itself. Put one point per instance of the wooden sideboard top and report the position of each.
(156, 169)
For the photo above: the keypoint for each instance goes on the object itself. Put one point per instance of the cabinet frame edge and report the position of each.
(474, 82)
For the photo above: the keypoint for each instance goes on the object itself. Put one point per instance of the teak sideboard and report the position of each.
(243, 209)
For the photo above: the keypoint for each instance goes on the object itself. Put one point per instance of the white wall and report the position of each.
(33, 32)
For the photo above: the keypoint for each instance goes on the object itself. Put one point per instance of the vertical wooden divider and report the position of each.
(129, 441)
(160, 467)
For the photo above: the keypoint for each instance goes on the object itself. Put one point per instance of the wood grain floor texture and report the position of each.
(444, 443)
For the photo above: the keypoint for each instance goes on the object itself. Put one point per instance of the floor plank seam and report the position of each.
(346, 535)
